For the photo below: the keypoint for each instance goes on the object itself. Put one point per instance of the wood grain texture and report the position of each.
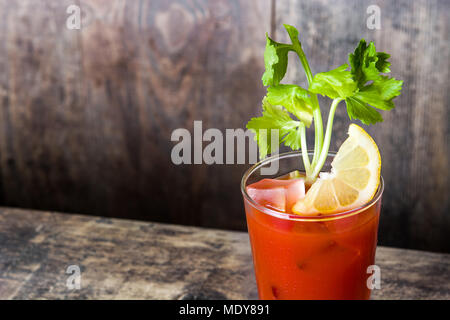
(414, 137)
(123, 259)
(86, 115)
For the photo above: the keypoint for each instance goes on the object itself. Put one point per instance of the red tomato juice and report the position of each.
(322, 257)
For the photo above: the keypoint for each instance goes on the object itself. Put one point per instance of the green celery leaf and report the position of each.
(374, 89)
(274, 117)
(380, 93)
(295, 99)
(382, 64)
(276, 57)
(337, 83)
(367, 64)
(358, 109)
(293, 34)
(275, 60)
(293, 139)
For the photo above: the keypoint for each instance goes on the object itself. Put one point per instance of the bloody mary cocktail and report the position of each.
(317, 257)
(313, 224)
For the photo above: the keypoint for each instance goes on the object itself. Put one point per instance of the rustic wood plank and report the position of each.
(413, 138)
(80, 106)
(119, 259)
(123, 259)
(411, 274)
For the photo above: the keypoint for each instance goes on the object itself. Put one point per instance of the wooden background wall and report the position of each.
(86, 115)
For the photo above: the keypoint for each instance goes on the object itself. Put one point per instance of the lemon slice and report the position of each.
(352, 182)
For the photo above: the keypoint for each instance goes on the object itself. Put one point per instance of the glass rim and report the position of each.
(295, 217)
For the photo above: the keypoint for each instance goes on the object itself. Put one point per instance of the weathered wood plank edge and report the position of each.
(119, 258)
(127, 259)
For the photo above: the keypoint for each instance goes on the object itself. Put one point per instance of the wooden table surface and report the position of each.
(123, 259)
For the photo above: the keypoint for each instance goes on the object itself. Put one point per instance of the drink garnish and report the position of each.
(352, 182)
(362, 84)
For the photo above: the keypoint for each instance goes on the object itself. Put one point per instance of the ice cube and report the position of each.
(277, 194)
(273, 198)
(295, 191)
